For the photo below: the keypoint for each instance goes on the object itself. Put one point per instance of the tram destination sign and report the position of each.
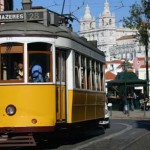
(21, 16)
(10, 17)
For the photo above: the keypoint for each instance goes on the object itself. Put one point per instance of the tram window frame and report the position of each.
(93, 71)
(47, 70)
(102, 76)
(97, 76)
(83, 72)
(93, 75)
(88, 77)
(77, 70)
(12, 54)
(60, 65)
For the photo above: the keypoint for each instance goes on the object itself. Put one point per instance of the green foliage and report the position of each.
(139, 19)
(146, 6)
(126, 65)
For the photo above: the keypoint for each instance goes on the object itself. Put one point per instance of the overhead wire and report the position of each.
(74, 12)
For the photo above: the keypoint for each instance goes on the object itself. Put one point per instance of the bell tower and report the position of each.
(106, 19)
(87, 22)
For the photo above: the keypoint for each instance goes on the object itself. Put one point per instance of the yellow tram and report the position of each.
(71, 91)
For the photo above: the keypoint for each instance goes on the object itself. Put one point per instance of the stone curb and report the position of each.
(138, 115)
(133, 118)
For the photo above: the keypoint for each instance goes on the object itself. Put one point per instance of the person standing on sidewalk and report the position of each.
(126, 104)
(143, 101)
(133, 101)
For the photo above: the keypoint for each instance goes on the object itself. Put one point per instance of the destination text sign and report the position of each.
(19, 16)
(24, 16)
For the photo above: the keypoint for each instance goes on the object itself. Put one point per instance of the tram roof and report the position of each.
(38, 29)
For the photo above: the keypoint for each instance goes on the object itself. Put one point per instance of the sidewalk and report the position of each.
(136, 114)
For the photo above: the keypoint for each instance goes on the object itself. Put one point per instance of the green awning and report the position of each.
(127, 78)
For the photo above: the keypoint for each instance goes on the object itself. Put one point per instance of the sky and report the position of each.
(77, 7)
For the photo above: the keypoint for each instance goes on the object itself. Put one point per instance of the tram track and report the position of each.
(127, 137)
(128, 127)
(125, 147)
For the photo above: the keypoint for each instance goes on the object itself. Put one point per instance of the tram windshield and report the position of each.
(40, 62)
(37, 68)
(11, 59)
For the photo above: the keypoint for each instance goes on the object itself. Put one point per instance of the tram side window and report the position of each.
(93, 75)
(77, 71)
(88, 78)
(11, 59)
(83, 73)
(97, 76)
(60, 66)
(102, 76)
(40, 62)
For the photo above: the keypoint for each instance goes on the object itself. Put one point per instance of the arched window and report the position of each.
(110, 22)
(103, 22)
(83, 26)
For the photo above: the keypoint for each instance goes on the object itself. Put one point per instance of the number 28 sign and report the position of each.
(34, 15)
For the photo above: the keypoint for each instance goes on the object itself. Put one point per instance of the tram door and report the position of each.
(61, 86)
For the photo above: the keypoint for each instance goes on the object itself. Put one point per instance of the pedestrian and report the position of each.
(143, 101)
(134, 99)
(125, 109)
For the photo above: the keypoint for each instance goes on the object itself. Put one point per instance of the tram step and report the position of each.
(5, 141)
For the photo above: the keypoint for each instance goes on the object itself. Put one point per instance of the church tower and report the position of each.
(107, 30)
(87, 22)
(112, 40)
(106, 19)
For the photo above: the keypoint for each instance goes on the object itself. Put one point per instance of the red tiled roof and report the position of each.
(110, 75)
(126, 37)
(115, 61)
(140, 58)
(120, 66)
(144, 66)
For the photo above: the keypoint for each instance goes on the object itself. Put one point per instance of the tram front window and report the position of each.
(40, 62)
(11, 59)
(39, 70)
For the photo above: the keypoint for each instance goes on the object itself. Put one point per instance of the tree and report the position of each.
(126, 65)
(140, 19)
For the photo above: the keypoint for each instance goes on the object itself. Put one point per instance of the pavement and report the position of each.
(136, 114)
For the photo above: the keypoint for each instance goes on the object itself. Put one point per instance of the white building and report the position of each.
(116, 42)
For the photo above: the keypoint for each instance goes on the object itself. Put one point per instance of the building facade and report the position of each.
(117, 42)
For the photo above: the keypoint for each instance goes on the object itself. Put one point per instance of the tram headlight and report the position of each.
(10, 110)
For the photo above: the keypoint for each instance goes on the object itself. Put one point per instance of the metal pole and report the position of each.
(127, 104)
(144, 110)
(63, 8)
(110, 110)
(147, 71)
